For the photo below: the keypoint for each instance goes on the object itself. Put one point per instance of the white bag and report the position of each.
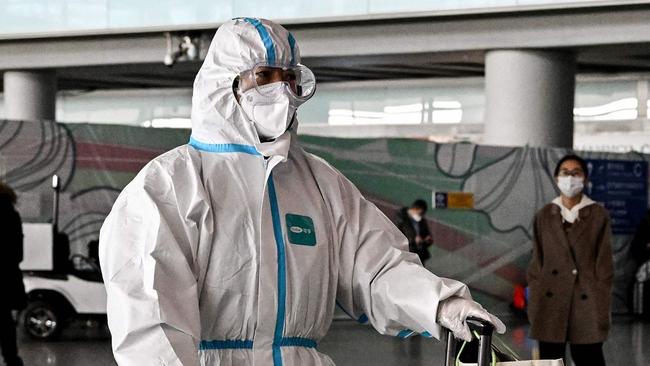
(558, 362)
(521, 363)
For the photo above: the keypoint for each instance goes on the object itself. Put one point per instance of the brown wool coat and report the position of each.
(570, 277)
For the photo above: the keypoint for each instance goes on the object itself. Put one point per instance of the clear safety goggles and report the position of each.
(578, 173)
(299, 79)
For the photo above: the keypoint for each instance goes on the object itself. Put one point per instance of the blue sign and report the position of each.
(622, 186)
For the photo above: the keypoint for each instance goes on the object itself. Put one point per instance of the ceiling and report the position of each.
(606, 40)
(594, 60)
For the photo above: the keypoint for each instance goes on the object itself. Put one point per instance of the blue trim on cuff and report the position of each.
(363, 319)
(224, 148)
(405, 333)
(226, 344)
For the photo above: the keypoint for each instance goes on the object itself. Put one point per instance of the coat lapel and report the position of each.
(558, 229)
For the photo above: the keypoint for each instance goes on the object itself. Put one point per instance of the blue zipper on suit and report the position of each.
(282, 273)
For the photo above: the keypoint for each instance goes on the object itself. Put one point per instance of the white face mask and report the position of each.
(570, 186)
(415, 217)
(272, 110)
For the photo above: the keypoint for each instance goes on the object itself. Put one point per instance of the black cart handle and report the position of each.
(484, 330)
(480, 326)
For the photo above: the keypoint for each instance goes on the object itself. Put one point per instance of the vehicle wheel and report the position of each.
(42, 320)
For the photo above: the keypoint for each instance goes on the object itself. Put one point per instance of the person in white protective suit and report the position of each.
(235, 248)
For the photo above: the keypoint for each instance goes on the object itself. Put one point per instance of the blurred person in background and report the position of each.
(413, 225)
(640, 251)
(570, 274)
(13, 289)
(93, 252)
(641, 243)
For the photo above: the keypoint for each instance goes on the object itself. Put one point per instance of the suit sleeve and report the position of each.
(379, 280)
(147, 263)
(537, 261)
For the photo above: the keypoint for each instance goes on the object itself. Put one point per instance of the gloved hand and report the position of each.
(453, 311)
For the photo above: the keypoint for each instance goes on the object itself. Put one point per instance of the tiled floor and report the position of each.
(348, 344)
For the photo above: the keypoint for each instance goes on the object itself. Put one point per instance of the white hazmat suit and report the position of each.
(232, 251)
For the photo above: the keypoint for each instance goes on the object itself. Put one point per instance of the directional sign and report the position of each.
(622, 186)
(454, 200)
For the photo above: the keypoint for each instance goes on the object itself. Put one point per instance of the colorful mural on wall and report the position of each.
(94, 162)
(487, 247)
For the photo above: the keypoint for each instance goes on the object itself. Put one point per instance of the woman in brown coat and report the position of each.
(570, 275)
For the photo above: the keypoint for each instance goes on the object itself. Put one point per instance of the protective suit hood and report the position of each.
(217, 118)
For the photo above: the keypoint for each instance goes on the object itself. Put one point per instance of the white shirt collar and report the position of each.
(573, 214)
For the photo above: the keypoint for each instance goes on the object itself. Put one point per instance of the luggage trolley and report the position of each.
(484, 330)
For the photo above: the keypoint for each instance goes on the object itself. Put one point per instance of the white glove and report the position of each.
(453, 312)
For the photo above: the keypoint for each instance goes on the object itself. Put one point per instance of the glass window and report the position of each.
(147, 108)
(390, 6)
(606, 100)
(147, 13)
(444, 109)
(292, 9)
(396, 103)
(52, 16)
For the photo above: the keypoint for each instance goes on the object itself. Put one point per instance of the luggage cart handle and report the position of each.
(480, 326)
(484, 330)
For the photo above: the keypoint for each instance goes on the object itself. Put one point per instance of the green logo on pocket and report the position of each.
(300, 230)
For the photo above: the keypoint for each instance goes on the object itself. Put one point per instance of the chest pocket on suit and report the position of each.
(300, 230)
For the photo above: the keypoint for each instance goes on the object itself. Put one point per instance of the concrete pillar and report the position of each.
(529, 98)
(30, 95)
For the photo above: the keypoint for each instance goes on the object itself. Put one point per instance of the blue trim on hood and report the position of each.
(266, 39)
(292, 45)
(224, 148)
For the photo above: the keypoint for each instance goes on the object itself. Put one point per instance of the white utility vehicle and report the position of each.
(59, 288)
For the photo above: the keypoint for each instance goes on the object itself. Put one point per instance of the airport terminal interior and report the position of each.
(491, 133)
